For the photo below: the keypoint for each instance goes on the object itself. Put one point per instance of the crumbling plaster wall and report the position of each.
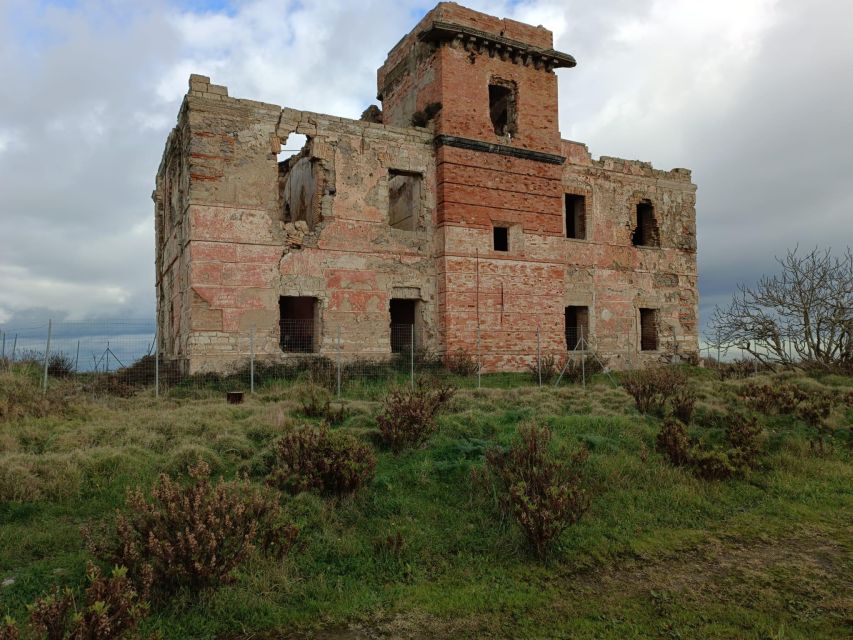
(241, 255)
(614, 278)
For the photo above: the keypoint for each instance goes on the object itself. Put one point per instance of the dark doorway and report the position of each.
(297, 320)
(577, 328)
(648, 329)
(402, 324)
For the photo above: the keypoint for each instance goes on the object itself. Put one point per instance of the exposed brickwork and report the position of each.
(236, 230)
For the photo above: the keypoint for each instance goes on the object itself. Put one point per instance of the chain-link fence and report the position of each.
(120, 358)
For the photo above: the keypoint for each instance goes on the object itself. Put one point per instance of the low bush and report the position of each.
(743, 434)
(541, 490)
(711, 464)
(736, 369)
(316, 402)
(9, 629)
(743, 440)
(579, 367)
(317, 459)
(60, 365)
(110, 607)
(193, 535)
(407, 417)
(549, 366)
(778, 398)
(674, 443)
(461, 363)
(814, 411)
(652, 387)
(683, 402)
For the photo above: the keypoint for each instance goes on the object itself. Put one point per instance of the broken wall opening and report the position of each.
(577, 328)
(298, 323)
(403, 324)
(301, 182)
(646, 233)
(502, 106)
(404, 200)
(648, 329)
(575, 216)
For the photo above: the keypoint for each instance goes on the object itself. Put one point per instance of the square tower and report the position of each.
(487, 88)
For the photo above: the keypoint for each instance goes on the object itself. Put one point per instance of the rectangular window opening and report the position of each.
(500, 238)
(575, 216)
(648, 329)
(577, 328)
(403, 314)
(646, 233)
(404, 200)
(502, 108)
(298, 324)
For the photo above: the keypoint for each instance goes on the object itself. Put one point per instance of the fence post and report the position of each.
(479, 359)
(583, 358)
(14, 346)
(252, 361)
(3, 352)
(77, 357)
(338, 375)
(46, 352)
(412, 357)
(539, 354)
(156, 364)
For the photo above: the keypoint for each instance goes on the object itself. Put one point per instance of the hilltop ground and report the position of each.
(661, 553)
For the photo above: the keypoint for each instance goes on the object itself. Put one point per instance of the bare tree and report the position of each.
(804, 314)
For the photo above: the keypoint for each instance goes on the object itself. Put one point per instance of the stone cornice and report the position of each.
(506, 48)
(500, 149)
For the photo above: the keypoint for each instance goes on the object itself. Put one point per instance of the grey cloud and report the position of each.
(93, 91)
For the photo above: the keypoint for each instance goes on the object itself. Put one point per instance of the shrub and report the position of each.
(316, 459)
(782, 398)
(683, 402)
(711, 464)
(461, 363)
(673, 442)
(652, 387)
(542, 492)
(193, 535)
(313, 399)
(60, 365)
(316, 402)
(550, 368)
(577, 367)
(407, 418)
(743, 434)
(111, 607)
(9, 630)
(814, 411)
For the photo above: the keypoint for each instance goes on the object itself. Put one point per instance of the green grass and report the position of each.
(660, 553)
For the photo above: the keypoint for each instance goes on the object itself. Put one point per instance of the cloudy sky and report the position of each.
(755, 96)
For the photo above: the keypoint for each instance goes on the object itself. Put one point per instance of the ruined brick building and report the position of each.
(457, 212)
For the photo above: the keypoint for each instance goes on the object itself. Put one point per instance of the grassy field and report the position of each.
(660, 553)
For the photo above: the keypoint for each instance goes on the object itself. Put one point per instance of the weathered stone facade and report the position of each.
(480, 225)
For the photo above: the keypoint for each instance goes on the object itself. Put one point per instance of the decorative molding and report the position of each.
(506, 48)
(500, 149)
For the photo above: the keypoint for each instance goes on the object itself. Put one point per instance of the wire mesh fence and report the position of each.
(121, 358)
